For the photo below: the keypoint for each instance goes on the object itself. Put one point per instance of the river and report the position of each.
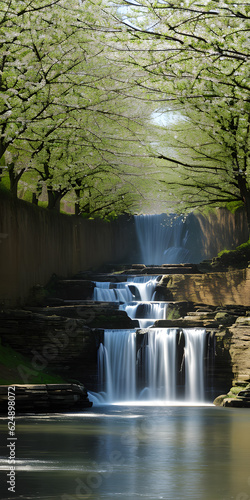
(117, 452)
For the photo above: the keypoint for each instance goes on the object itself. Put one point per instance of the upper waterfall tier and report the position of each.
(166, 239)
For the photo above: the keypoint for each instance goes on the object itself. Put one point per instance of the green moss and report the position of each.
(173, 314)
(244, 246)
(223, 252)
(238, 258)
(234, 391)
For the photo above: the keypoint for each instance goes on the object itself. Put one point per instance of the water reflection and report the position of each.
(122, 453)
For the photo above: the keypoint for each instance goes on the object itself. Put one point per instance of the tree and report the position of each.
(193, 57)
(62, 100)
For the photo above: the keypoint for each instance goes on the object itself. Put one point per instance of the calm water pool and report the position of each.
(124, 452)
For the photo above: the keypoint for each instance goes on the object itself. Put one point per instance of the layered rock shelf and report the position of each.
(214, 288)
(44, 398)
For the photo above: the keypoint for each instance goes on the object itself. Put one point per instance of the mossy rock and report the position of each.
(238, 258)
(219, 400)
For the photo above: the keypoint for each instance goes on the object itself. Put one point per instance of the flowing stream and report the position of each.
(131, 453)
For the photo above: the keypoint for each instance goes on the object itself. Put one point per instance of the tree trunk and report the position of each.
(247, 206)
(77, 204)
(54, 198)
(34, 199)
(245, 194)
(13, 179)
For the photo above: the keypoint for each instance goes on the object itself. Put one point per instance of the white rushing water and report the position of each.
(135, 288)
(118, 367)
(194, 363)
(146, 313)
(134, 366)
(162, 239)
(161, 364)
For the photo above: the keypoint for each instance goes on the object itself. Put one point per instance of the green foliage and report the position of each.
(10, 360)
(4, 186)
(64, 115)
(223, 252)
(193, 59)
(81, 83)
(233, 206)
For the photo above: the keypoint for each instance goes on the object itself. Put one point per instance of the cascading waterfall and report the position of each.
(119, 370)
(135, 297)
(162, 239)
(145, 312)
(144, 366)
(135, 288)
(104, 293)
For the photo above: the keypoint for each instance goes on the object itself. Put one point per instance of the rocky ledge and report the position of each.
(44, 398)
(236, 398)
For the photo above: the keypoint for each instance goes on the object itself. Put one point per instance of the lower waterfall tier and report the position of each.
(163, 364)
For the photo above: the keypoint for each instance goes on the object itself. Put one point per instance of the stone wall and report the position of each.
(221, 230)
(36, 243)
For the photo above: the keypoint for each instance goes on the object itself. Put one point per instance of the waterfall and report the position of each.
(162, 239)
(194, 363)
(145, 312)
(161, 364)
(117, 359)
(119, 368)
(151, 364)
(139, 288)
